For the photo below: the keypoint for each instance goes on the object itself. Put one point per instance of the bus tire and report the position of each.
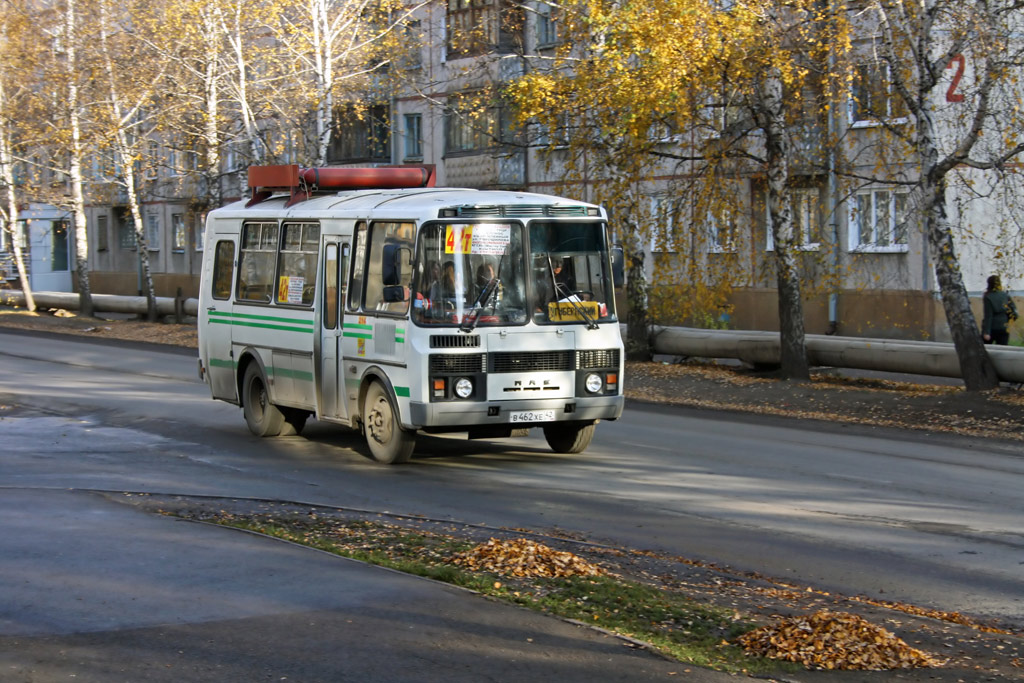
(294, 421)
(569, 437)
(262, 416)
(388, 442)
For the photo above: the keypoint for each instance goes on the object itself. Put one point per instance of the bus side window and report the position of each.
(355, 292)
(223, 264)
(392, 242)
(256, 262)
(330, 315)
(296, 278)
(343, 272)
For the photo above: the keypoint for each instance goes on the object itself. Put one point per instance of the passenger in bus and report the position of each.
(433, 283)
(450, 286)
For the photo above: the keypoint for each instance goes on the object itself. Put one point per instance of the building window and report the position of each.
(153, 231)
(126, 233)
(547, 26)
(413, 136)
(873, 98)
(59, 246)
(878, 221)
(361, 135)
(722, 231)
(200, 230)
(475, 27)
(102, 238)
(178, 232)
(807, 220)
(471, 125)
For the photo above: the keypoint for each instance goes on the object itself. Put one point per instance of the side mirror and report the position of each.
(393, 293)
(394, 258)
(618, 266)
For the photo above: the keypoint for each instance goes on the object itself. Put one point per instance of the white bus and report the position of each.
(372, 299)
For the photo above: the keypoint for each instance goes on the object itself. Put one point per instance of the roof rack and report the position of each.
(302, 183)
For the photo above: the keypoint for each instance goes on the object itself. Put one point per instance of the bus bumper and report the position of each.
(492, 413)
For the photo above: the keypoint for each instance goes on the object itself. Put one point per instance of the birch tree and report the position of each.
(129, 88)
(661, 82)
(75, 156)
(955, 68)
(336, 49)
(14, 91)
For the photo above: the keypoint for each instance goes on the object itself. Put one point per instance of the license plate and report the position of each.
(532, 416)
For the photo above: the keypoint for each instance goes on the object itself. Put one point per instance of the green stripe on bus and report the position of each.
(264, 318)
(358, 335)
(263, 326)
(357, 326)
(291, 374)
(402, 391)
(218, 363)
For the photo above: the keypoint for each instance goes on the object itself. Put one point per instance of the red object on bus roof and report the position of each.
(302, 183)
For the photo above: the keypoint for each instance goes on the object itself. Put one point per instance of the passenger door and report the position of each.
(332, 371)
(216, 332)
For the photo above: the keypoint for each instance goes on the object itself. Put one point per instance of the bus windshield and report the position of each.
(455, 264)
(484, 274)
(569, 273)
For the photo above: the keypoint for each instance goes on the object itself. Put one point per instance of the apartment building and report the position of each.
(863, 251)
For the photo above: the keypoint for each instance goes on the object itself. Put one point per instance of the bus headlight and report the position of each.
(463, 387)
(594, 383)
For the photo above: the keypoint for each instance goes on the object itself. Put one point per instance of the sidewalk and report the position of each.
(99, 591)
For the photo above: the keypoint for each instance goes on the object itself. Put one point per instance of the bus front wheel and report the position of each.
(388, 442)
(569, 437)
(262, 416)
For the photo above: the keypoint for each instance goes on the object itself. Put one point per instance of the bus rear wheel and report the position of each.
(388, 442)
(262, 416)
(569, 437)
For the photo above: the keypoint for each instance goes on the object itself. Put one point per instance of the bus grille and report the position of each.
(454, 341)
(597, 358)
(456, 364)
(532, 361)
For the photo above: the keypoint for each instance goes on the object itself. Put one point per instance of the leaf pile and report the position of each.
(521, 557)
(835, 640)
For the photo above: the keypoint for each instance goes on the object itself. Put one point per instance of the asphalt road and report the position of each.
(935, 521)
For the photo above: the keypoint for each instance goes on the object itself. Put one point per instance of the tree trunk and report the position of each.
(638, 322)
(976, 367)
(792, 343)
(324, 74)
(85, 306)
(124, 153)
(13, 226)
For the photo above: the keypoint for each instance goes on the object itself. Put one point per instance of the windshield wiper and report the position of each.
(490, 289)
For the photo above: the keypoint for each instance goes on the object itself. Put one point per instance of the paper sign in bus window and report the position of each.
(477, 239)
(289, 289)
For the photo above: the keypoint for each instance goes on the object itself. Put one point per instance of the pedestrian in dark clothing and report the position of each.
(999, 312)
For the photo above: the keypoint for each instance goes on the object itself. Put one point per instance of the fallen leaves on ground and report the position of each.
(522, 557)
(835, 641)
